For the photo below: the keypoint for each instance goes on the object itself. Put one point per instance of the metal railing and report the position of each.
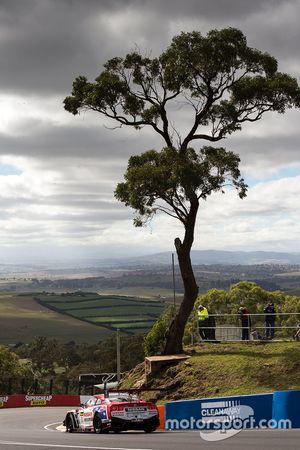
(255, 327)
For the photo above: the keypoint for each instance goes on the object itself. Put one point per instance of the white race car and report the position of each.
(117, 412)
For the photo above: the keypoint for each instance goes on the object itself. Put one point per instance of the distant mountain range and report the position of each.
(208, 257)
(199, 257)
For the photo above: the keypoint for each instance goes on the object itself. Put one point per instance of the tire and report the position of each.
(97, 423)
(149, 429)
(69, 424)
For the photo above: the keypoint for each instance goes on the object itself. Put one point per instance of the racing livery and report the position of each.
(117, 412)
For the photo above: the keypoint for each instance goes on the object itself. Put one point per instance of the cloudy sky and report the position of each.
(58, 172)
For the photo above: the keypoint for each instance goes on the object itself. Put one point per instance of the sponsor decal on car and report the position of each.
(133, 413)
(102, 413)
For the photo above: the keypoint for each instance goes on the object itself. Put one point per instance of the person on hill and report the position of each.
(270, 318)
(297, 334)
(256, 336)
(244, 316)
(203, 322)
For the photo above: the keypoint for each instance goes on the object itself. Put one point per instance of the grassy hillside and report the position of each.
(130, 314)
(227, 369)
(80, 317)
(22, 319)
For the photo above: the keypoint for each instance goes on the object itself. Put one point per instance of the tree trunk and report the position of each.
(176, 330)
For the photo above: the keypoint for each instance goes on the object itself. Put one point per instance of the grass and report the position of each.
(120, 318)
(216, 370)
(105, 311)
(140, 291)
(80, 317)
(133, 325)
(22, 319)
(98, 312)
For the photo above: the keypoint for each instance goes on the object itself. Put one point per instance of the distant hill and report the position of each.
(67, 269)
(207, 257)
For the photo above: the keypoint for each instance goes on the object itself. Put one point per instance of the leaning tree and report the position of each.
(215, 83)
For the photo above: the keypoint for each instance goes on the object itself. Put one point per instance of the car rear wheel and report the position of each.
(97, 422)
(69, 424)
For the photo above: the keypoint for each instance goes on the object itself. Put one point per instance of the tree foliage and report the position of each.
(243, 293)
(219, 79)
(11, 366)
(155, 340)
(255, 298)
(176, 179)
(46, 355)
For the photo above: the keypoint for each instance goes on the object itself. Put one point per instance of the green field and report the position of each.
(80, 317)
(22, 319)
(129, 314)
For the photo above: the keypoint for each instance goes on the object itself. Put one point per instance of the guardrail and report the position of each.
(257, 326)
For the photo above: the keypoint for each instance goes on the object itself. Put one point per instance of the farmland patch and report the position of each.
(130, 314)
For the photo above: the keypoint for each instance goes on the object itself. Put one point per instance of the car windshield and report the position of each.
(92, 401)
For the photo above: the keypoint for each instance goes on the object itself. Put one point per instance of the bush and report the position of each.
(154, 341)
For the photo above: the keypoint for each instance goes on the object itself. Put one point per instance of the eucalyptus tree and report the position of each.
(216, 83)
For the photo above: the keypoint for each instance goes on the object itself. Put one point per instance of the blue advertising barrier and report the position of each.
(286, 406)
(181, 411)
(208, 413)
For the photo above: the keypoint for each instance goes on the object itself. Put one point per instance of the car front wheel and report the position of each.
(97, 424)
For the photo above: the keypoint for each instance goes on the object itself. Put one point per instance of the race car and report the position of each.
(115, 412)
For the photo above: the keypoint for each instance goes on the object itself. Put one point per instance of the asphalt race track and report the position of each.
(35, 428)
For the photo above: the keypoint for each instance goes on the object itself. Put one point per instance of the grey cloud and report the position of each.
(45, 44)
(217, 9)
(260, 211)
(269, 152)
(105, 152)
(75, 202)
(68, 141)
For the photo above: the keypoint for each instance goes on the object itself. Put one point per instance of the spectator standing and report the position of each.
(203, 322)
(245, 319)
(270, 318)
